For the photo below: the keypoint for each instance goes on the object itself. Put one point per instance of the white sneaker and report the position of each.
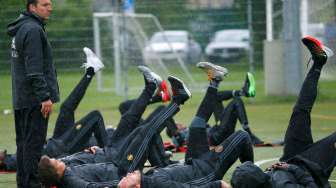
(150, 76)
(92, 60)
(215, 72)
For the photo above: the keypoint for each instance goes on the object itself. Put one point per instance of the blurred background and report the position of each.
(171, 36)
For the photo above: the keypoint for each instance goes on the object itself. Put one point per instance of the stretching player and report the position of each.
(226, 118)
(158, 156)
(80, 133)
(303, 163)
(202, 167)
(130, 157)
(70, 137)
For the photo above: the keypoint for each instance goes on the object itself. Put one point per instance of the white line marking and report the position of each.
(261, 162)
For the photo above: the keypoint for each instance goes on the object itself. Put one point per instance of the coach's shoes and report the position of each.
(180, 92)
(92, 60)
(214, 72)
(150, 76)
(249, 89)
(319, 52)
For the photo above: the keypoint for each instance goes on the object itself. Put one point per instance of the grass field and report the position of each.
(268, 116)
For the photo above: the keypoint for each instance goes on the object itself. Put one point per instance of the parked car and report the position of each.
(228, 45)
(168, 45)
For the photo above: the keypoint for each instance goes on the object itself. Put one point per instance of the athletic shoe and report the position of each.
(150, 76)
(168, 154)
(319, 52)
(164, 92)
(92, 60)
(180, 92)
(249, 89)
(214, 72)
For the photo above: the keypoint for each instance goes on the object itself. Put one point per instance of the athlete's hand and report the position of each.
(281, 165)
(46, 108)
(92, 149)
(225, 185)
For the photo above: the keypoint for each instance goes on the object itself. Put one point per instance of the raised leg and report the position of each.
(136, 144)
(66, 117)
(80, 134)
(130, 119)
(298, 135)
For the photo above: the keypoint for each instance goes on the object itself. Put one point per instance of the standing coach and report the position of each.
(34, 87)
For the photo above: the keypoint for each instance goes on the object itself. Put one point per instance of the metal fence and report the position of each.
(70, 27)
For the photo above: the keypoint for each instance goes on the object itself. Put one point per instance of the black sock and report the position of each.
(317, 66)
(150, 88)
(238, 93)
(90, 72)
(214, 83)
(247, 129)
(155, 99)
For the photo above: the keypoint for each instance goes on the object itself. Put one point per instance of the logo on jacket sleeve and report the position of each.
(79, 126)
(13, 49)
(130, 157)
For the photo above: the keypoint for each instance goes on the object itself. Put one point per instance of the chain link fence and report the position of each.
(70, 27)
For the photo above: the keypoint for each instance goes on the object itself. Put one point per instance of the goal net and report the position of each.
(123, 41)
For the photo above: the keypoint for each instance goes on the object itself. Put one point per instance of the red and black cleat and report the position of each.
(164, 92)
(316, 48)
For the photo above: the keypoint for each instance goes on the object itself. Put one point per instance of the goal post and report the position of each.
(120, 40)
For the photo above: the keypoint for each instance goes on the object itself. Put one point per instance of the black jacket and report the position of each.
(155, 182)
(293, 177)
(181, 176)
(249, 175)
(99, 175)
(34, 77)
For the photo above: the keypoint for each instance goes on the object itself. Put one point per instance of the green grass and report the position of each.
(268, 116)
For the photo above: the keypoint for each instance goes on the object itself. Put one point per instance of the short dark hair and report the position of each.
(248, 175)
(47, 173)
(28, 2)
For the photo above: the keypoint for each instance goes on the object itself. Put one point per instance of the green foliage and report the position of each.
(69, 29)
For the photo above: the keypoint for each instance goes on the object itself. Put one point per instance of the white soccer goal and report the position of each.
(120, 40)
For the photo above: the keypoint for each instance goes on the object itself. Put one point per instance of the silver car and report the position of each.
(172, 45)
(228, 45)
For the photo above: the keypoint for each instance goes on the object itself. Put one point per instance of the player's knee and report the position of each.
(244, 136)
(96, 113)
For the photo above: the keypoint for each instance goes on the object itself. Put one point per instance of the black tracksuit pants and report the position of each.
(70, 137)
(128, 122)
(77, 138)
(156, 155)
(235, 110)
(132, 155)
(31, 131)
(319, 157)
(228, 116)
(202, 166)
